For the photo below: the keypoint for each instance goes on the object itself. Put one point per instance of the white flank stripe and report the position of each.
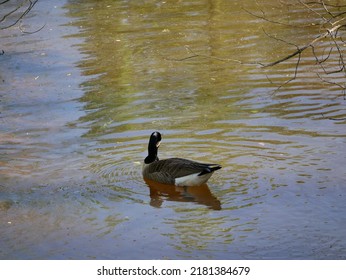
(192, 180)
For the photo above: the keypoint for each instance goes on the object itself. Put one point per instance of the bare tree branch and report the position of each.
(303, 48)
(30, 4)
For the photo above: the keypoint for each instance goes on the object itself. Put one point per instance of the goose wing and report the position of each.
(178, 167)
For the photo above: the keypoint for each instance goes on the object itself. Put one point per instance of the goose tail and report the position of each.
(209, 169)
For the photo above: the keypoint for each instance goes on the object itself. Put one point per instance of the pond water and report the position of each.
(79, 99)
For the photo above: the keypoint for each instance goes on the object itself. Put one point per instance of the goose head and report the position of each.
(153, 146)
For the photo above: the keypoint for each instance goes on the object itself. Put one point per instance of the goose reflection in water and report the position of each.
(199, 194)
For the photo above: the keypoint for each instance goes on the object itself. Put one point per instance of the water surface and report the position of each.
(80, 98)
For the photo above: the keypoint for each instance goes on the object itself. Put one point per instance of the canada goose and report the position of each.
(174, 171)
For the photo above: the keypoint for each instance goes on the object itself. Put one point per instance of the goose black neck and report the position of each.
(153, 147)
(152, 153)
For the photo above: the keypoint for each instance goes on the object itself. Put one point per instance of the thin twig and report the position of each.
(194, 55)
(343, 88)
(325, 4)
(263, 17)
(32, 32)
(333, 119)
(291, 79)
(312, 10)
